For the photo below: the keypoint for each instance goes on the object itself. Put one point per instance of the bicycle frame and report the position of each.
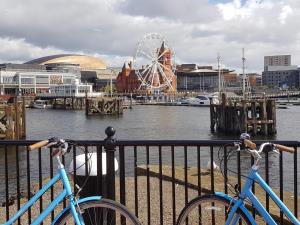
(247, 193)
(66, 192)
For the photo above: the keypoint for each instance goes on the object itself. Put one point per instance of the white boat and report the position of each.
(199, 100)
(39, 104)
(289, 101)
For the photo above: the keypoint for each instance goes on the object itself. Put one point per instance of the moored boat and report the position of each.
(39, 104)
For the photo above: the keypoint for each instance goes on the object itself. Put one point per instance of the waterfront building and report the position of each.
(127, 80)
(31, 79)
(281, 76)
(278, 72)
(253, 79)
(92, 69)
(230, 79)
(149, 78)
(191, 77)
(37, 75)
(277, 60)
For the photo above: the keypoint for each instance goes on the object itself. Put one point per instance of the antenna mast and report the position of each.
(244, 77)
(219, 73)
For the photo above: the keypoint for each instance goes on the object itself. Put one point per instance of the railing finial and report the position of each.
(110, 131)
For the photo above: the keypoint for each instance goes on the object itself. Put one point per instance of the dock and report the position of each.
(104, 106)
(255, 116)
(13, 120)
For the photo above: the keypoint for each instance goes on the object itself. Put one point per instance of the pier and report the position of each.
(255, 116)
(13, 120)
(104, 106)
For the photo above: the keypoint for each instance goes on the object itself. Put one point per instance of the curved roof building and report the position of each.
(85, 62)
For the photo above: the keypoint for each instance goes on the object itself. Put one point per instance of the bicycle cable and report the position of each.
(85, 151)
(227, 157)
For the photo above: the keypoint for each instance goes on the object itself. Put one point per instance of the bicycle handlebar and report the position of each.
(245, 138)
(284, 148)
(38, 145)
(249, 144)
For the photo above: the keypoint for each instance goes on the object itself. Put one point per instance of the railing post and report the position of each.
(110, 148)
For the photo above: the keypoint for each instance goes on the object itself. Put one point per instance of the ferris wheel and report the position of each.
(154, 63)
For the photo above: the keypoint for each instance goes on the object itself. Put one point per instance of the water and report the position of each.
(144, 123)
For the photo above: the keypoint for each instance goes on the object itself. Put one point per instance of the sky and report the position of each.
(196, 30)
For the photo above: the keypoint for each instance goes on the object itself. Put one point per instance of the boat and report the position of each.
(199, 100)
(289, 101)
(39, 104)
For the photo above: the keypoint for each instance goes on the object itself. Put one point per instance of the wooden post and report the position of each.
(23, 118)
(274, 129)
(264, 117)
(87, 105)
(72, 102)
(17, 120)
(212, 117)
(253, 115)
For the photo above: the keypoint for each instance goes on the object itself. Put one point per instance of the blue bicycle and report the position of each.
(220, 208)
(89, 210)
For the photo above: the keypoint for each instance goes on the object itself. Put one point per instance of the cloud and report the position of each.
(196, 29)
(286, 11)
(188, 11)
(18, 50)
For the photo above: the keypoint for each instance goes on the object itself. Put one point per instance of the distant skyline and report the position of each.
(197, 30)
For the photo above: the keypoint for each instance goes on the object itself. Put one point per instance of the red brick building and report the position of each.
(129, 82)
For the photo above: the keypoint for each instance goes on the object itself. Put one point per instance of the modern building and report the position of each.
(278, 72)
(191, 77)
(31, 79)
(277, 60)
(92, 69)
(37, 75)
(284, 77)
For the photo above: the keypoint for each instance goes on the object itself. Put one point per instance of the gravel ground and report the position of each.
(142, 201)
(155, 208)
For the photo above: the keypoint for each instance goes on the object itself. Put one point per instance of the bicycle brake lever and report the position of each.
(237, 145)
(276, 151)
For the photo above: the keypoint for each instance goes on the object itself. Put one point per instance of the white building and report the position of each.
(31, 79)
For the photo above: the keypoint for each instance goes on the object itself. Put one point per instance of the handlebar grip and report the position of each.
(284, 148)
(249, 144)
(38, 145)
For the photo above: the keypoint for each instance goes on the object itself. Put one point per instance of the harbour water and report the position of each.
(147, 123)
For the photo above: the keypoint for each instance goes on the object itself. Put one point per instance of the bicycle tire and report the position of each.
(102, 208)
(208, 209)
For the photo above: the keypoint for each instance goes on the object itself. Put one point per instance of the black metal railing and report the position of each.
(155, 178)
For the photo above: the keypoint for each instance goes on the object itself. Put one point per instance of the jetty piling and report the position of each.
(104, 106)
(72, 103)
(13, 120)
(255, 116)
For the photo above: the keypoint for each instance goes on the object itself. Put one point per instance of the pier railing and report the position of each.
(155, 178)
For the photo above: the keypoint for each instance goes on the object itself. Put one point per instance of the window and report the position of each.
(42, 79)
(27, 80)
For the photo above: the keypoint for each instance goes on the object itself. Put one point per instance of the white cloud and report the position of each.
(18, 50)
(195, 29)
(286, 11)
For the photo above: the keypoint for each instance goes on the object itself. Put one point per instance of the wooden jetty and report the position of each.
(255, 116)
(73, 103)
(13, 120)
(104, 106)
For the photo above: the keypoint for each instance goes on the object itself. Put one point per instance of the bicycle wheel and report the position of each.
(103, 211)
(209, 209)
